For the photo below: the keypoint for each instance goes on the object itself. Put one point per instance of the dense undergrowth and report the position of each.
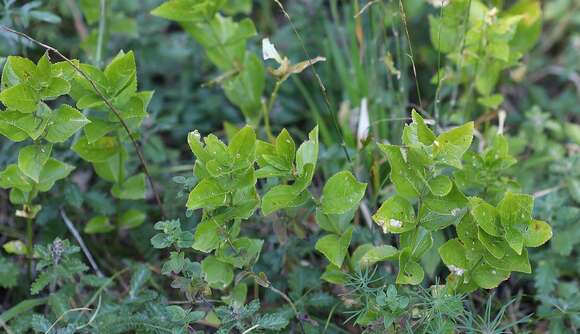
(239, 166)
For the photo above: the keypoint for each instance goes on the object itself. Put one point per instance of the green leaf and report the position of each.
(246, 88)
(287, 196)
(408, 179)
(16, 247)
(242, 148)
(188, 10)
(12, 177)
(537, 233)
(32, 158)
(332, 274)
(417, 132)
(286, 148)
(56, 87)
(207, 194)
(223, 39)
(131, 218)
(8, 126)
(307, 153)
(43, 71)
(515, 209)
(485, 215)
(161, 241)
(34, 126)
(335, 247)
(53, 171)
(410, 272)
(121, 74)
(273, 321)
(20, 308)
(139, 278)
(529, 27)
(175, 264)
(511, 261)
(445, 31)
(20, 98)
(217, 274)
(453, 254)
(488, 277)
(9, 273)
(97, 129)
(418, 240)
(396, 215)
(450, 146)
(247, 252)
(440, 185)
(438, 212)
(197, 148)
(207, 235)
(99, 224)
(132, 188)
(378, 254)
(342, 193)
(99, 151)
(492, 101)
(113, 169)
(17, 70)
(65, 121)
(334, 223)
(515, 238)
(495, 246)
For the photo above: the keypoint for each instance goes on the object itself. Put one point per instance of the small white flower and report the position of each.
(456, 270)
(363, 122)
(269, 51)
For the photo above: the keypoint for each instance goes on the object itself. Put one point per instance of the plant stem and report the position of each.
(101, 33)
(268, 109)
(329, 109)
(289, 301)
(29, 247)
(80, 241)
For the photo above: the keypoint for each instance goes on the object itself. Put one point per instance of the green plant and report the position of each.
(491, 239)
(224, 41)
(338, 233)
(482, 40)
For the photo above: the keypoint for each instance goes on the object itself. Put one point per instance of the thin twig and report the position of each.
(366, 213)
(289, 301)
(320, 83)
(62, 316)
(107, 102)
(81, 243)
(544, 192)
(78, 19)
(250, 329)
(94, 316)
(5, 326)
(365, 7)
(101, 33)
(410, 55)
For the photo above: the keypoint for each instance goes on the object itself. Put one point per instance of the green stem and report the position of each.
(101, 33)
(29, 246)
(268, 109)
